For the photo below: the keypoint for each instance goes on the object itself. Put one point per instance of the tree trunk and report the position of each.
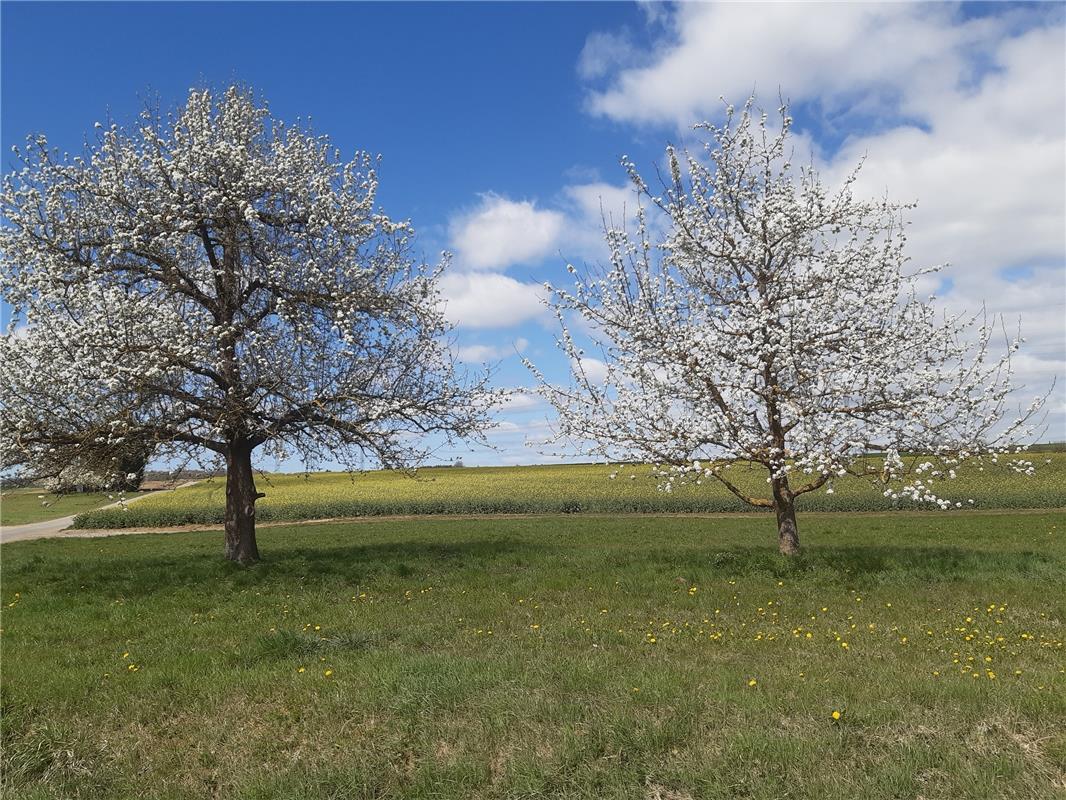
(788, 540)
(240, 505)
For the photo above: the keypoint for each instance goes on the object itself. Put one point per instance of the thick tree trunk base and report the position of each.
(241, 546)
(240, 506)
(788, 541)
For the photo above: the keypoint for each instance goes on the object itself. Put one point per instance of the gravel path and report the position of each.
(55, 527)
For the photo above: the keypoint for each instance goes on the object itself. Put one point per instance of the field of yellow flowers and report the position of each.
(901, 656)
(554, 489)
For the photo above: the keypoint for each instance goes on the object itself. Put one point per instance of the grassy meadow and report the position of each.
(902, 656)
(22, 506)
(552, 489)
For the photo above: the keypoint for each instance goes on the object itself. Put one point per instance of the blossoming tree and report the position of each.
(213, 281)
(774, 325)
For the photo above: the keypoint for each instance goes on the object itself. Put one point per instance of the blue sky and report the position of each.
(501, 126)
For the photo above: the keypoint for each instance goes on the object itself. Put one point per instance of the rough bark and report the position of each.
(240, 505)
(785, 507)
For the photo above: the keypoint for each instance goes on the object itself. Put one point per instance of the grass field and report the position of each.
(21, 506)
(559, 656)
(549, 489)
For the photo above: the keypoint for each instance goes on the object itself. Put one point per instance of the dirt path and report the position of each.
(54, 527)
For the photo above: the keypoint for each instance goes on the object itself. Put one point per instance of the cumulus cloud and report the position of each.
(965, 115)
(500, 232)
(521, 400)
(603, 52)
(835, 52)
(599, 202)
(492, 352)
(593, 368)
(489, 300)
(987, 168)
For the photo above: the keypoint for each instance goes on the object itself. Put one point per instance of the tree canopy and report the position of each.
(214, 280)
(775, 323)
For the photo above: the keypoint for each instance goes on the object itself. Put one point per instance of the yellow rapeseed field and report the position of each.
(554, 489)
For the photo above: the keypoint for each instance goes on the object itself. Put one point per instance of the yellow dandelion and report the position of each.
(302, 669)
(836, 715)
(328, 672)
(752, 682)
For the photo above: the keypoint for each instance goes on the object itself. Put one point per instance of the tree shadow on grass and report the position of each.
(203, 568)
(871, 563)
(303, 564)
(355, 562)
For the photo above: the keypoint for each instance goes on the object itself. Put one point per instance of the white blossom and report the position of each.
(216, 280)
(776, 323)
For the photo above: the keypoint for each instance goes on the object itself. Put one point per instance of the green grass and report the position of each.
(21, 506)
(550, 489)
(513, 658)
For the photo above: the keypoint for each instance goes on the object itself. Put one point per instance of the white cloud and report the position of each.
(595, 369)
(500, 232)
(988, 170)
(521, 400)
(492, 352)
(599, 202)
(489, 300)
(966, 116)
(603, 52)
(832, 51)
